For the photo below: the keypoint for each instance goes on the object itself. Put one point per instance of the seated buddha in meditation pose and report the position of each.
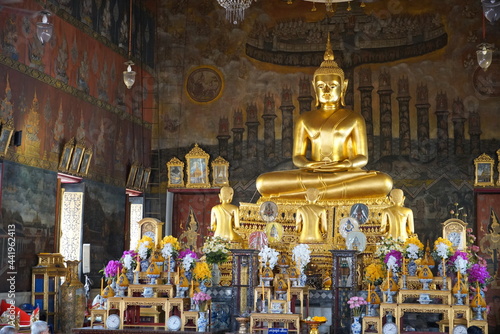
(225, 216)
(338, 147)
(397, 221)
(311, 219)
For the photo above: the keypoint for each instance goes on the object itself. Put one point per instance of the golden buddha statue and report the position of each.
(225, 216)
(397, 221)
(338, 147)
(311, 219)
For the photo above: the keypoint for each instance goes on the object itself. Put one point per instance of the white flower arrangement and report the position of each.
(461, 265)
(143, 250)
(413, 251)
(386, 245)
(167, 250)
(301, 254)
(442, 250)
(268, 255)
(128, 261)
(187, 262)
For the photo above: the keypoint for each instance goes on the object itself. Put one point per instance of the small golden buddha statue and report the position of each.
(338, 147)
(183, 281)
(311, 219)
(397, 221)
(224, 217)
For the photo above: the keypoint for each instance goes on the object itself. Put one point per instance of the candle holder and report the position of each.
(478, 312)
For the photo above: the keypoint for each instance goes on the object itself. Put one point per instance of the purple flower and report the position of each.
(478, 273)
(185, 253)
(200, 297)
(394, 257)
(458, 254)
(112, 268)
(132, 253)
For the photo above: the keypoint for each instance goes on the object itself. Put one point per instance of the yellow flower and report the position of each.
(319, 319)
(147, 241)
(444, 241)
(201, 271)
(374, 272)
(415, 241)
(171, 240)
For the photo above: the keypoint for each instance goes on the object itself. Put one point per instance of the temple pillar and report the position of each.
(366, 88)
(269, 131)
(422, 106)
(404, 116)
(252, 131)
(385, 92)
(442, 124)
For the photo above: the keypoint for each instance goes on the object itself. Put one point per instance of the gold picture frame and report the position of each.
(197, 168)
(131, 175)
(175, 173)
(66, 155)
(138, 177)
(76, 158)
(6, 136)
(484, 171)
(145, 178)
(85, 164)
(220, 172)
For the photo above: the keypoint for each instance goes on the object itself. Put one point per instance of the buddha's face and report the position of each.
(329, 88)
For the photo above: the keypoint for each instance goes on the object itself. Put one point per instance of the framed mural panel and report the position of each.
(145, 178)
(197, 168)
(204, 84)
(131, 175)
(6, 136)
(76, 158)
(66, 155)
(488, 234)
(175, 170)
(138, 177)
(220, 172)
(84, 166)
(484, 171)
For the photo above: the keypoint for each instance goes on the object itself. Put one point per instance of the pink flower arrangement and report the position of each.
(113, 268)
(200, 297)
(356, 304)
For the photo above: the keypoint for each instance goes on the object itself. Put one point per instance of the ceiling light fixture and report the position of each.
(491, 9)
(44, 29)
(235, 9)
(129, 74)
(484, 53)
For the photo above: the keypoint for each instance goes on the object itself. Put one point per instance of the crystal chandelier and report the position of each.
(235, 9)
(44, 29)
(129, 74)
(330, 4)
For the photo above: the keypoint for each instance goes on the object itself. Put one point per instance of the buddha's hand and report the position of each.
(331, 166)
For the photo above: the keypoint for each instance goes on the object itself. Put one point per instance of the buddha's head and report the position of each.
(328, 80)
(226, 194)
(397, 196)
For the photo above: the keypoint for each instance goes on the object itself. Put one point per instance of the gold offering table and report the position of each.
(168, 304)
(257, 321)
(452, 313)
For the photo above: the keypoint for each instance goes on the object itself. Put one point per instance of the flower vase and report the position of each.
(478, 312)
(202, 322)
(144, 265)
(203, 286)
(72, 299)
(412, 268)
(215, 275)
(355, 326)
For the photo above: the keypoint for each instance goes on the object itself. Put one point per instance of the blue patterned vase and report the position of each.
(201, 324)
(356, 326)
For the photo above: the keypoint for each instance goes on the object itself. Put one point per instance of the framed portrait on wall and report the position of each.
(131, 175)
(76, 158)
(175, 170)
(220, 172)
(84, 166)
(197, 168)
(6, 136)
(66, 155)
(484, 171)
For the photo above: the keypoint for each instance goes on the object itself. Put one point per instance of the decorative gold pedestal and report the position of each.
(314, 326)
(243, 324)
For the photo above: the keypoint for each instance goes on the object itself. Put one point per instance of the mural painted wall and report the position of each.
(28, 202)
(72, 87)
